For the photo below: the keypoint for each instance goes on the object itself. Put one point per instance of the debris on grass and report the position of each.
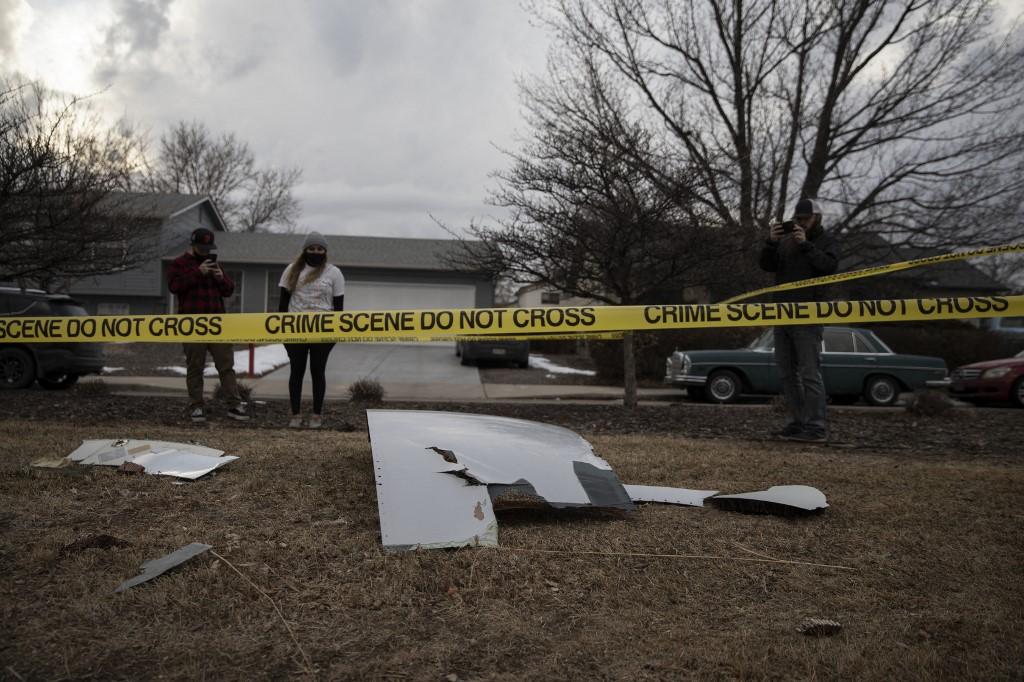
(819, 627)
(666, 495)
(131, 468)
(441, 474)
(157, 567)
(781, 500)
(181, 460)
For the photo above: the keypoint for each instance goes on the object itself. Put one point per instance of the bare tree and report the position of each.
(191, 160)
(904, 115)
(61, 218)
(584, 218)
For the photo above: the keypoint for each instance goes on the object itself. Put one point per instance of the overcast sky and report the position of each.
(392, 108)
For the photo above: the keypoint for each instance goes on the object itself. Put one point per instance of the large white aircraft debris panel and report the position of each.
(436, 473)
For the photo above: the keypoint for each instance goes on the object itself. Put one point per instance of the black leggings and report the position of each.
(297, 353)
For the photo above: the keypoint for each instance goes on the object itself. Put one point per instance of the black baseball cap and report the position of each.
(807, 207)
(203, 239)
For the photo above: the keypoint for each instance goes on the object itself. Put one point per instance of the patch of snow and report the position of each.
(541, 362)
(177, 370)
(111, 370)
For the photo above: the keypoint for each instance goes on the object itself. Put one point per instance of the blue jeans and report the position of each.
(798, 357)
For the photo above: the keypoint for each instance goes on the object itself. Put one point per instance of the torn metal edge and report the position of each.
(157, 567)
(668, 495)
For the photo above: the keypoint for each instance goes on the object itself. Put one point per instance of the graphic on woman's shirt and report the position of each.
(317, 295)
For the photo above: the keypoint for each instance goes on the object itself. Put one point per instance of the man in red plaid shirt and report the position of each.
(201, 286)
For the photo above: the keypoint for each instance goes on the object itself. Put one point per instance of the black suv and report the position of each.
(54, 365)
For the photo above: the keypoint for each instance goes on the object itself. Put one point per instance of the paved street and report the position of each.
(410, 371)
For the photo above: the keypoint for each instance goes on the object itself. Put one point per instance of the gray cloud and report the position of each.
(8, 25)
(137, 29)
(391, 108)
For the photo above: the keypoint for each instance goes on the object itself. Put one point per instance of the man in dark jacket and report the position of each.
(201, 286)
(796, 250)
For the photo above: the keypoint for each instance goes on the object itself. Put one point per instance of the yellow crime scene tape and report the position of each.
(880, 270)
(470, 323)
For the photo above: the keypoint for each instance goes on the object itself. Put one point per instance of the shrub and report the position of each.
(929, 403)
(244, 392)
(368, 391)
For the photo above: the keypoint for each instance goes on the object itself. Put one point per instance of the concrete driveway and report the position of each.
(416, 371)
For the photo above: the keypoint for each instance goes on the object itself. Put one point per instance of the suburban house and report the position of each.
(537, 295)
(380, 272)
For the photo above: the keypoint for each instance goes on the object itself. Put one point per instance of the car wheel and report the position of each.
(1017, 392)
(723, 386)
(17, 368)
(523, 364)
(881, 391)
(58, 381)
(465, 361)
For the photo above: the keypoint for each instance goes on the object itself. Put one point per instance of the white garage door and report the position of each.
(395, 296)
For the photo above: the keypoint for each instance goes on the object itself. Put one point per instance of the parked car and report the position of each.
(53, 365)
(511, 350)
(992, 380)
(854, 363)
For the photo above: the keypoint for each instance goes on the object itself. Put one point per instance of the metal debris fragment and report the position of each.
(441, 474)
(182, 460)
(157, 567)
(666, 495)
(784, 500)
(819, 627)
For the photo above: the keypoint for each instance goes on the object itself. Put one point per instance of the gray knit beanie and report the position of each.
(314, 239)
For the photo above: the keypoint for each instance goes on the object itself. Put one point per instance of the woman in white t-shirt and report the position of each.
(310, 284)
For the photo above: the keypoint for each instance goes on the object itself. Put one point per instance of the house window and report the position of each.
(550, 298)
(113, 309)
(233, 304)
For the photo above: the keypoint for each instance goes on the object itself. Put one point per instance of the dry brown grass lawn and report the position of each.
(936, 588)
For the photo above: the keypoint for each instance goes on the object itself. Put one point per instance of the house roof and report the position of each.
(870, 250)
(158, 205)
(344, 250)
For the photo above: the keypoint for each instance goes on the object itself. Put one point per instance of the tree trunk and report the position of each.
(628, 371)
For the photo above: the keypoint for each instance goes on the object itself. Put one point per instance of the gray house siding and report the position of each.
(143, 291)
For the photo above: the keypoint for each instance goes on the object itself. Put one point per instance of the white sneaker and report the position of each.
(197, 415)
(315, 422)
(295, 422)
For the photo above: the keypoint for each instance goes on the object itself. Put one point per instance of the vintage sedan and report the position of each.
(854, 363)
(992, 380)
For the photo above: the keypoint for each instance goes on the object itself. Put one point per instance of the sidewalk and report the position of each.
(409, 391)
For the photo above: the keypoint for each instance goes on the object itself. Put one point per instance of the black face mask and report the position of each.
(315, 260)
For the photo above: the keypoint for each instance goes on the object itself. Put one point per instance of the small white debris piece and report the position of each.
(666, 495)
(156, 567)
(779, 499)
(182, 460)
(180, 464)
(819, 627)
